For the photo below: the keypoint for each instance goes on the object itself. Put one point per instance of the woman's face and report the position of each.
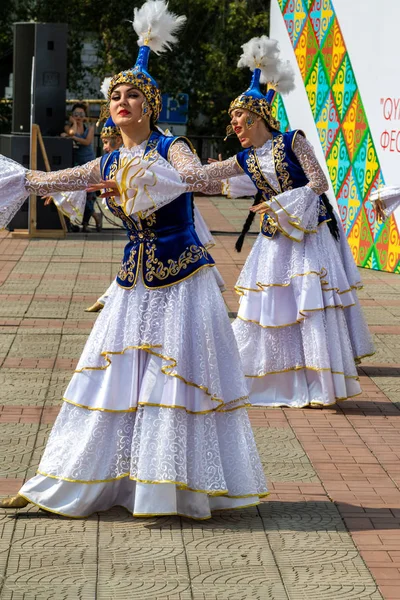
(111, 143)
(242, 122)
(79, 114)
(126, 105)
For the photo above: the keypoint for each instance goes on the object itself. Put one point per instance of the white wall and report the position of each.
(371, 34)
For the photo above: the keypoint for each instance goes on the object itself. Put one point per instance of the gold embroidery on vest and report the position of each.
(257, 176)
(151, 220)
(279, 153)
(128, 270)
(156, 268)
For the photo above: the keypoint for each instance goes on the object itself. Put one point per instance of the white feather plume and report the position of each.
(261, 53)
(284, 78)
(105, 86)
(156, 26)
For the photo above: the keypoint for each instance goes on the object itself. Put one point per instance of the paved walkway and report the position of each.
(329, 530)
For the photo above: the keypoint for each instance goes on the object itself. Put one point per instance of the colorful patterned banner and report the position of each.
(342, 127)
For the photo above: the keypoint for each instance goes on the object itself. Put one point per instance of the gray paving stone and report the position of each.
(91, 287)
(315, 554)
(17, 443)
(52, 558)
(71, 345)
(390, 386)
(24, 387)
(282, 456)
(30, 268)
(15, 286)
(30, 346)
(14, 308)
(56, 267)
(143, 560)
(95, 268)
(381, 315)
(46, 309)
(43, 433)
(61, 287)
(6, 341)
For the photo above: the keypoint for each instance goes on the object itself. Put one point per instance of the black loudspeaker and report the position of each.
(47, 42)
(59, 153)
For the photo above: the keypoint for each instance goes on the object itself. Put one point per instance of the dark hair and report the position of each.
(81, 105)
(332, 222)
(247, 224)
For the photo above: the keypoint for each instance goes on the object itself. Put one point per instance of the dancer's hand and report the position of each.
(260, 209)
(47, 200)
(380, 207)
(109, 188)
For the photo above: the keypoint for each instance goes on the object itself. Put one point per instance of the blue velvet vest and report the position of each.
(288, 171)
(164, 247)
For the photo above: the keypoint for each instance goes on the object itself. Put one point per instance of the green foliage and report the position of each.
(203, 64)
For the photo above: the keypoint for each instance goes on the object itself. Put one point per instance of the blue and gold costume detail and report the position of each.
(289, 173)
(163, 247)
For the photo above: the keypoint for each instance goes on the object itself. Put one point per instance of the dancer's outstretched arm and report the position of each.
(16, 183)
(200, 178)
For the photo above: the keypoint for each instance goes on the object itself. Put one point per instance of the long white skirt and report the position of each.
(154, 418)
(300, 329)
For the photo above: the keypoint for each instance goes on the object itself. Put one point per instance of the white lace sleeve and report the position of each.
(201, 178)
(310, 165)
(188, 165)
(66, 180)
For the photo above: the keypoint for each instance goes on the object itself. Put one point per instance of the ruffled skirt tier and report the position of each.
(154, 417)
(300, 328)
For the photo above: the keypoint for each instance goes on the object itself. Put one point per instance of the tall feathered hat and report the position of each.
(261, 55)
(156, 27)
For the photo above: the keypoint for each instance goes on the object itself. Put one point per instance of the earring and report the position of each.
(145, 110)
(229, 131)
(250, 122)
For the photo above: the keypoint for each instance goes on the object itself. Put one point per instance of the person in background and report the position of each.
(110, 136)
(82, 136)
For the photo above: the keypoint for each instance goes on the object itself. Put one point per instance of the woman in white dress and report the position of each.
(300, 329)
(154, 417)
